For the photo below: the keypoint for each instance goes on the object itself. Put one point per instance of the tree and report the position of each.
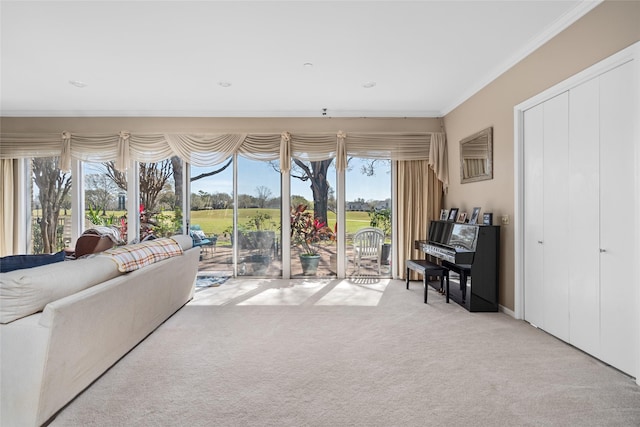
(153, 177)
(263, 195)
(300, 200)
(369, 166)
(54, 186)
(221, 200)
(316, 174)
(197, 202)
(176, 165)
(246, 201)
(100, 191)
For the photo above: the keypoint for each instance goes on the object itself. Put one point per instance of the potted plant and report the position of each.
(308, 232)
(381, 218)
(259, 238)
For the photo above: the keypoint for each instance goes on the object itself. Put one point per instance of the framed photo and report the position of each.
(444, 214)
(487, 218)
(474, 216)
(453, 214)
(462, 217)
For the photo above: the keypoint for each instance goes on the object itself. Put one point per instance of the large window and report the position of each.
(158, 210)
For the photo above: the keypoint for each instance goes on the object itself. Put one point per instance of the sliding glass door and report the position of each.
(313, 218)
(259, 218)
(368, 205)
(211, 216)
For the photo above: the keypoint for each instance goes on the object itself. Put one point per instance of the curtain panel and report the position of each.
(421, 192)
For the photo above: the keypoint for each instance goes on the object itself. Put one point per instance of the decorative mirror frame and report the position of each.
(478, 138)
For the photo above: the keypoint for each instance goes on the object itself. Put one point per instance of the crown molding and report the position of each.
(556, 28)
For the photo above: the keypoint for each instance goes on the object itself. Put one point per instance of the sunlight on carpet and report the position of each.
(360, 291)
(225, 293)
(289, 293)
(365, 292)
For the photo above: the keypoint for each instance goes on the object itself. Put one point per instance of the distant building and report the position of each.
(357, 206)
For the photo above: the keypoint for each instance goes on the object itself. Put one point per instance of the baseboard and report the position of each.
(507, 311)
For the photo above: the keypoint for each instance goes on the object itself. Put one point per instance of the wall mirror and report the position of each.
(476, 157)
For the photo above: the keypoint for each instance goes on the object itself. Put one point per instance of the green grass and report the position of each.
(215, 221)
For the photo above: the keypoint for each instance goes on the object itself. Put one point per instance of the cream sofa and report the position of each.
(95, 315)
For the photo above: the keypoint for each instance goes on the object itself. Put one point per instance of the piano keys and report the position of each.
(472, 251)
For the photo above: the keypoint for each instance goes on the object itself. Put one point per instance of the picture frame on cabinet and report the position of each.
(462, 217)
(453, 214)
(487, 218)
(474, 216)
(444, 214)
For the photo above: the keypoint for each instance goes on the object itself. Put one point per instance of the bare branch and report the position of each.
(206, 174)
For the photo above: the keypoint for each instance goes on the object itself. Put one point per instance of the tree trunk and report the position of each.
(53, 186)
(320, 189)
(176, 163)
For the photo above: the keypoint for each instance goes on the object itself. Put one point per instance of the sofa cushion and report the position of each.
(17, 262)
(27, 291)
(185, 242)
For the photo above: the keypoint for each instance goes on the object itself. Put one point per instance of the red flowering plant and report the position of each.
(307, 231)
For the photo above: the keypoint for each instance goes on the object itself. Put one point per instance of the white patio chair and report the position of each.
(367, 244)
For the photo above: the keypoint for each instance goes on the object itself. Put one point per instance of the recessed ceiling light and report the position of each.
(307, 64)
(224, 84)
(368, 85)
(77, 83)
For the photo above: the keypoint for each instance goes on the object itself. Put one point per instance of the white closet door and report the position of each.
(556, 216)
(618, 296)
(533, 223)
(581, 248)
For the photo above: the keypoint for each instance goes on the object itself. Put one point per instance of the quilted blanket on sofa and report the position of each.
(133, 257)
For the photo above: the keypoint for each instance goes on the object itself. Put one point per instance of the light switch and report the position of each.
(505, 219)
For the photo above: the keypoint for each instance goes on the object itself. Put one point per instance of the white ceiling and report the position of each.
(167, 58)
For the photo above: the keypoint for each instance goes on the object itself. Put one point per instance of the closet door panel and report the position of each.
(533, 216)
(617, 231)
(556, 216)
(583, 241)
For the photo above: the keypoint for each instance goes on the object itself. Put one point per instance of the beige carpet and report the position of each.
(343, 353)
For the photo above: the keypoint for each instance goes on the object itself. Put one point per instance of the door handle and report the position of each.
(602, 250)
(540, 241)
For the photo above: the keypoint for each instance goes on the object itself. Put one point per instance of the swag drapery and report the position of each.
(210, 149)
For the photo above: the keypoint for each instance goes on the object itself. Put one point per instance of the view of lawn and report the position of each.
(215, 221)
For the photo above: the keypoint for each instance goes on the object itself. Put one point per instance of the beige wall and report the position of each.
(607, 29)
(215, 124)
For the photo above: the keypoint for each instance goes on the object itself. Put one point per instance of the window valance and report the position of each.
(211, 149)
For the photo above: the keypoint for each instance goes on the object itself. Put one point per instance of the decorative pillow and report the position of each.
(199, 234)
(18, 262)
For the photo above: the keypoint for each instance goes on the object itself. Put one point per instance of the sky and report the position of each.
(253, 174)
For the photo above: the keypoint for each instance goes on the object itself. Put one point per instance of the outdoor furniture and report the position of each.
(200, 239)
(367, 244)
